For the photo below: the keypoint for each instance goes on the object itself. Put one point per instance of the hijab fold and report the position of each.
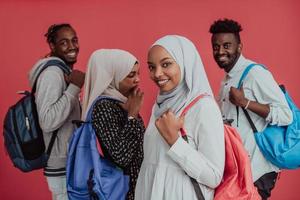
(193, 76)
(106, 69)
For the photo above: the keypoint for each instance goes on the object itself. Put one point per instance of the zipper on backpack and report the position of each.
(27, 121)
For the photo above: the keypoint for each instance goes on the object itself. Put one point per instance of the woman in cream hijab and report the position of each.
(114, 74)
(169, 161)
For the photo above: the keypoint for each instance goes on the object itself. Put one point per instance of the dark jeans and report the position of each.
(265, 184)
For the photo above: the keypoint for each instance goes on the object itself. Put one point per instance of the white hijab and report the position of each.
(193, 77)
(106, 69)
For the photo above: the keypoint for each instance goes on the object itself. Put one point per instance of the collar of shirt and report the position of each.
(239, 66)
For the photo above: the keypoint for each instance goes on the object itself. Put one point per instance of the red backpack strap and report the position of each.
(186, 109)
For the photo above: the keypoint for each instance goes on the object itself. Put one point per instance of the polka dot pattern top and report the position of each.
(121, 138)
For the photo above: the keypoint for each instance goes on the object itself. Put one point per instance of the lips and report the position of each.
(161, 83)
(72, 54)
(223, 58)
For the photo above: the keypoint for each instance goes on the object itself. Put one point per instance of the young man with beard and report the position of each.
(57, 100)
(260, 95)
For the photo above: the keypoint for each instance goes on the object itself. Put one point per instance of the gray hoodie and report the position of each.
(57, 105)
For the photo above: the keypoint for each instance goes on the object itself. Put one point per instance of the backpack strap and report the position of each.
(89, 118)
(60, 64)
(186, 109)
(51, 143)
(245, 73)
(195, 184)
(67, 71)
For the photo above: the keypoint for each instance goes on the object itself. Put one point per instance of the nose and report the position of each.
(158, 72)
(137, 80)
(221, 50)
(72, 45)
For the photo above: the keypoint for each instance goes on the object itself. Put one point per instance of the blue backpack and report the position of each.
(23, 136)
(279, 144)
(89, 174)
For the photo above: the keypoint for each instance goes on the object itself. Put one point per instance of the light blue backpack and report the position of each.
(279, 144)
(89, 175)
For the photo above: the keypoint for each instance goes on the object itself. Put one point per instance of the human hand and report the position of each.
(76, 77)
(134, 102)
(237, 96)
(169, 126)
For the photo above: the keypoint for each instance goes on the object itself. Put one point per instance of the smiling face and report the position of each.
(131, 81)
(65, 46)
(226, 50)
(164, 70)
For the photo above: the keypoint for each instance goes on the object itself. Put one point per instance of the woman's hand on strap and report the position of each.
(169, 126)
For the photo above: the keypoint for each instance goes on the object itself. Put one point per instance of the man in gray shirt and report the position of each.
(57, 100)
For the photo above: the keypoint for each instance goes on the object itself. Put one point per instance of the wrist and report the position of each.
(131, 116)
(244, 103)
(247, 105)
(172, 140)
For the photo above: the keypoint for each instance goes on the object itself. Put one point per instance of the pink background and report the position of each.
(271, 36)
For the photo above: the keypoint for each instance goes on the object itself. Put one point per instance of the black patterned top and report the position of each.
(121, 138)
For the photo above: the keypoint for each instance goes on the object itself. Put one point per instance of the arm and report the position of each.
(206, 162)
(267, 91)
(54, 103)
(237, 97)
(119, 137)
(269, 101)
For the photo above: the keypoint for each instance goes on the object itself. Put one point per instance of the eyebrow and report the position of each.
(63, 39)
(166, 58)
(66, 39)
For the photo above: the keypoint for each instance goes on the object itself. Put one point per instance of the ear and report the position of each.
(240, 47)
(52, 47)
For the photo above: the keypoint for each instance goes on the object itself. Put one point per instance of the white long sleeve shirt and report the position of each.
(165, 172)
(260, 86)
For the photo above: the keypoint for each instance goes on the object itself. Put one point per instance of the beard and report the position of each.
(227, 64)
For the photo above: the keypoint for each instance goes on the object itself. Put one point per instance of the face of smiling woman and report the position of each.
(163, 69)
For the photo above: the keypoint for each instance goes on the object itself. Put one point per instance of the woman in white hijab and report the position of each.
(169, 161)
(114, 75)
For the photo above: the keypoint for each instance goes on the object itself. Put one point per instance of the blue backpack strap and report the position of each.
(90, 111)
(246, 71)
(89, 114)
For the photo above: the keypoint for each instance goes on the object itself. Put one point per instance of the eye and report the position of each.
(151, 67)
(63, 43)
(226, 46)
(131, 75)
(216, 47)
(166, 64)
(75, 40)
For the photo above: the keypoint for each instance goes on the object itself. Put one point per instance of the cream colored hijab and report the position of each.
(106, 69)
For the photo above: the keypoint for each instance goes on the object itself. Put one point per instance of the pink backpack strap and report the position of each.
(186, 109)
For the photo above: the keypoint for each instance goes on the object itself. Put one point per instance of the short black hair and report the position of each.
(52, 30)
(226, 26)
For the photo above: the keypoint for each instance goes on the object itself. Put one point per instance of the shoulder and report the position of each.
(52, 73)
(53, 70)
(108, 105)
(258, 73)
(204, 106)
